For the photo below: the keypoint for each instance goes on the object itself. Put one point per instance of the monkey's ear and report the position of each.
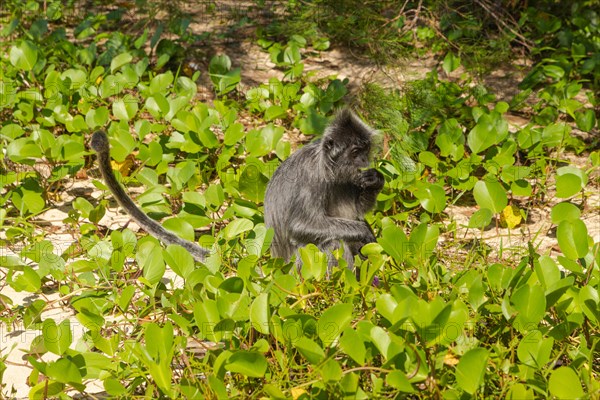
(331, 148)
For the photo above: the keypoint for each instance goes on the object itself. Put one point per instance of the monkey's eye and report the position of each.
(356, 151)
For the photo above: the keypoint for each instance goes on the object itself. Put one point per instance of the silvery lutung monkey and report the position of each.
(321, 193)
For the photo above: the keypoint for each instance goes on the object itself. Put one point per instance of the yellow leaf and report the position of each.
(124, 167)
(450, 359)
(510, 217)
(297, 392)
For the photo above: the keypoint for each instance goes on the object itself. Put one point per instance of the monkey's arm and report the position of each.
(100, 144)
(327, 228)
(370, 183)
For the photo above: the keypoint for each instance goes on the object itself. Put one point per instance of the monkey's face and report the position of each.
(347, 157)
(358, 154)
(347, 146)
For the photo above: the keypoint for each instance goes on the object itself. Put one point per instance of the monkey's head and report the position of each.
(346, 145)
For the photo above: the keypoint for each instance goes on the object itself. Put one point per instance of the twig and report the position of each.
(396, 18)
(522, 39)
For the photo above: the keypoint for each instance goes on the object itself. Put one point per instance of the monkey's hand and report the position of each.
(355, 247)
(370, 183)
(371, 179)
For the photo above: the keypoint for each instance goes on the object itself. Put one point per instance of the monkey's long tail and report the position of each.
(100, 144)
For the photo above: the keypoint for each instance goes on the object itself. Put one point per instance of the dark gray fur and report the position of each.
(320, 194)
(100, 144)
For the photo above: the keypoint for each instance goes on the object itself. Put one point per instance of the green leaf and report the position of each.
(181, 227)
(564, 211)
(215, 196)
(247, 363)
(261, 142)
(57, 338)
(275, 112)
(553, 134)
(96, 117)
(471, 369)
(161, 83)
(65, 370)
(451, 139)
(253, 183)
(431, 318)
(394, 242)
(310, 350)
(569, 106)
(333, 321)
(490, 194)
(589, 300)
(90, 319)
(385, 305)
(291, 54)
(149, 256)
(481, 218)
(33, 313)
(229, 81)
(11, 131)
(568, 185)
(206, 316)
(547, 271)
(521, 187)
(520, 392)
(30, 201)
(234, 134)
(530, 304)
(179, 259)
(331, 371)
(381, 340)
(157, 105)
(45, 389)
(28, 280)
(314, 262)
(313, 123)
(83, 205)
(398, 380)
(553, 71)
(490, 130)
(119, 61)
(236, 227)
(586, 120)
(432, 198)
(451, 62)
(423, 240)
(24, 55)
(111, 86)
(565, 384)
(159, 354)
(514, 172)
(114, 388)
(259, 313)
(159, 341)
(223, 77)
(23, 148)
(352, 344)
(572, 238)
(125, 109)
(219, 65)
(535, 350)
(94, 364)
(321, 44)
(571, 265)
